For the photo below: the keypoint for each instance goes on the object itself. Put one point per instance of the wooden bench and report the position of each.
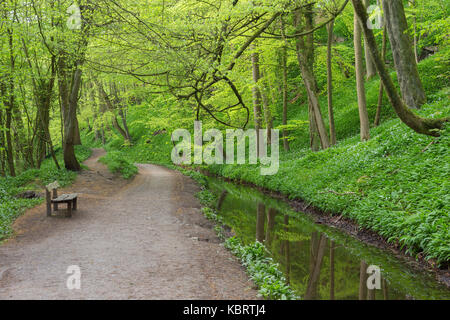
(51, 192)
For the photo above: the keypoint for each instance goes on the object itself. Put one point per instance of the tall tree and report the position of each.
(360, 88)
(404, 58)
(265, 90)
(256, 92)
(381, 90)
(111, 107)
(260, 221)
(71, 57)
(287, 250)
(363, 280)
(425, 126)
(332, 288)
(271, 214)
(330, 83)
(415, 38)
(305, 56)
(284, 84)
(69, 80)
(10, 103)
(317, 252)
(371, 70)
(120, 110)
(2, 140)
(43, 84)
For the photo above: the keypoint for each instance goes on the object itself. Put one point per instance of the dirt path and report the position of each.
(144, 239)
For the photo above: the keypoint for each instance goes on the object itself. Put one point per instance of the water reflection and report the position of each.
(319, 246)
(318, 262)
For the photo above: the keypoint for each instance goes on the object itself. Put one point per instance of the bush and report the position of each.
(11, 208)
(116, 163)
(262, 270)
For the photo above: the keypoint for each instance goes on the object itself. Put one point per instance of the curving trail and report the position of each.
(144, 239)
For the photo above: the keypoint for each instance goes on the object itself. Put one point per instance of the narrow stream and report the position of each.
(319, 262)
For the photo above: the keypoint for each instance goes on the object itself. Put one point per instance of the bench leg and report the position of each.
(69, 210)
(55, 195)
(75, 204)
(49, 203)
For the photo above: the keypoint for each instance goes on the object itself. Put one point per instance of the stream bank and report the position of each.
(307, 249)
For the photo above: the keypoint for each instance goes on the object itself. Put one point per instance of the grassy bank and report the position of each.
(396, 184)
(32, 180)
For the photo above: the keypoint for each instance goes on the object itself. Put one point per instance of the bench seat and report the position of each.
(64, 198)
(70, 199)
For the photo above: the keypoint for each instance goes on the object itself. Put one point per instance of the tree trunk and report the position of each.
(43, 98)
(271, 214)
(363, 281)
(385, 290)
(72, 131)
(10, 102)
(413, 4)
(256, 94)
(109, 105)
(9, 143)
(76, 135)
(260, 221)
(314, 137)
(267, 113)
(424, 126)
(119, 128)
(371, 294)
(332, 246)
(124, 123)
(103, 135)
(405, 62)
(381, 91)
(18, 135)
(371, 70)
(305, 56)
(221, 199)
(96, 112)
(42, 94)
(120, 111)
(284, 86)
(330, 83)
(2, 139)
(68, 91)
(287, 250)
(69, 78)
(360, 89)
(317, 253)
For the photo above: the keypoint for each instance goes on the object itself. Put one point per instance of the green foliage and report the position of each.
(433, 22)
(33, 179)
(261, 269)
(435, 71)
(197, 176)
(206, 198)
(210, 214)
(10, 209)
(117, 164)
